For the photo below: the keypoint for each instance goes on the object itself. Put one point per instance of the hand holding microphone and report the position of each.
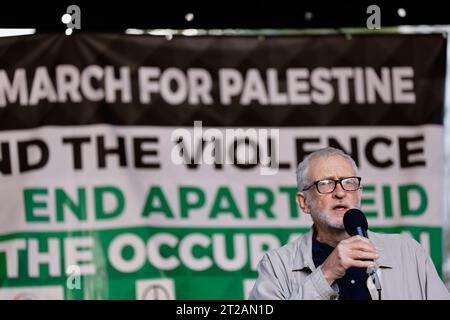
(355, 223)
(357, 251)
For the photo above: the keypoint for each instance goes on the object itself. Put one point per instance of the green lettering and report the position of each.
(368, 201)
(387, 201)
(292, 195)
(264, 206)
(405, 208)
(156, 193)
(62, 200)
(230, 205)
(31, 205)
(185, 205)
(100, 212)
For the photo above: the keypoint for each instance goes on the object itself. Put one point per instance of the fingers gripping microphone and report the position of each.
(355, 223)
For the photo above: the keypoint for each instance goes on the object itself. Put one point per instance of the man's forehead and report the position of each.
(331, 166)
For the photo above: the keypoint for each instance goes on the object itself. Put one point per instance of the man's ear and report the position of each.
(302, 202)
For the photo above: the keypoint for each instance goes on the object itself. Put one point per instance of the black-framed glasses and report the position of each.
(326, 186)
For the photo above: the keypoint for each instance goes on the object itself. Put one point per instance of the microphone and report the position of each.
(355, 223)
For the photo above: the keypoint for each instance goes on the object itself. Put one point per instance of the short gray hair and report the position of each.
(303, 167)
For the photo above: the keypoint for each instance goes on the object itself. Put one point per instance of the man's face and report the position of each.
(329, 209)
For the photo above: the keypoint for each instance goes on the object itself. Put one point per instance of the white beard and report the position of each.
(327, 220)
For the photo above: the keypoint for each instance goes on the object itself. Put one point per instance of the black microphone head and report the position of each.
(353, 219)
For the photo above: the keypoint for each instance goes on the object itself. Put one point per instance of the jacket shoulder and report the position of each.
(286, 254)
(397, 242)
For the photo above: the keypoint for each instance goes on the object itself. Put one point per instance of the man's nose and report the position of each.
(339, 192)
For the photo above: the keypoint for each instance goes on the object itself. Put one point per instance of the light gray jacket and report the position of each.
(404, 268)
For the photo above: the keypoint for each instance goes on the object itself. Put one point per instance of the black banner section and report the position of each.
(381, 80)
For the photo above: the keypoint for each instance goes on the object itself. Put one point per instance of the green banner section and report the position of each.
(224, 202)
(201, 263)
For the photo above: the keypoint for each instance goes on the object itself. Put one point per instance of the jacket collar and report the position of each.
(303, 252)
(385, 261)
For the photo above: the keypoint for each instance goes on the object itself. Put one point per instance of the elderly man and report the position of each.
(326, 263)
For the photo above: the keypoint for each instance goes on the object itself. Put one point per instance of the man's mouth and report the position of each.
(340, 208)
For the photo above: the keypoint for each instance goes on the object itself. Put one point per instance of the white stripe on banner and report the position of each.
(60, 179)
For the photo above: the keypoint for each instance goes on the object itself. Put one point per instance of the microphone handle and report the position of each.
(371, 271)
(360, 231)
